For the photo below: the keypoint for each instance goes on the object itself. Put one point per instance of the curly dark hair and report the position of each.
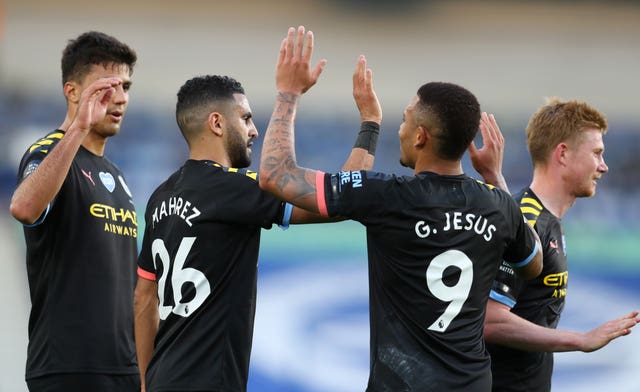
(94, 48)
(451, 113)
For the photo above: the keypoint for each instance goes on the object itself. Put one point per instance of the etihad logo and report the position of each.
(559, 281)
(117, 220)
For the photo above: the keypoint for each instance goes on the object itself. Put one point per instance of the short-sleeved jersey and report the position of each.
(201, 246)
(81, 266)
(434, 243)
(540, 301)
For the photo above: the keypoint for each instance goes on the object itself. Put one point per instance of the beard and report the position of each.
(406, 164)
(237, 149)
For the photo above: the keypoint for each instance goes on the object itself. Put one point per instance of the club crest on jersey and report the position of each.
(124, 186)
(108, 181)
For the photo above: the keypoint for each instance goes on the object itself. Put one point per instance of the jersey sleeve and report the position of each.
(146, 267)
(250, 204)
(523, 247)
(506, 286)
(32, 159)
(520, 251)
(354, 194)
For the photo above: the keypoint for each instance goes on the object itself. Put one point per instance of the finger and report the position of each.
(309, 48)
(493, 130)
(357, 74)
(283, 51)
(289, 46)
(106, 95)
(299, 43)
(100, 84)
(368, 80)
(631, 315)
(317, 70)
(496, 129)
(486, 135)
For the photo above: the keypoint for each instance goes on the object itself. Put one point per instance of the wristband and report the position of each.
(368, 136)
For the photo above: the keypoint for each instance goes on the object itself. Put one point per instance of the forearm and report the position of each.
(38, 190)
(363, 153)
(146, 329)
(513, 331)
(279, 171)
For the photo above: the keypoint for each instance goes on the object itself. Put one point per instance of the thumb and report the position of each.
(318, 69)
(472, 147)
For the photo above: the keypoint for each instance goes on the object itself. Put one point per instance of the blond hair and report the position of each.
(560, 121)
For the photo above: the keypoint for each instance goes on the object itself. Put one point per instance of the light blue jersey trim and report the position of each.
(41, 219)
(528, 259)
(286, 217)
(503, 299)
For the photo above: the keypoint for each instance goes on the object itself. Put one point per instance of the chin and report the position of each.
(108, 131)
(404, 164)
(586, 192)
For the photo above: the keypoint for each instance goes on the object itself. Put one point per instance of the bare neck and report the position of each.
(203, 150)
(92, 141)
(552, 191)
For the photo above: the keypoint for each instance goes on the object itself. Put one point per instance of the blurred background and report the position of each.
(311, 331)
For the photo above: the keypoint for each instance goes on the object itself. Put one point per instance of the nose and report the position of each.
(253, 133)
(603, 167)
(120, 96)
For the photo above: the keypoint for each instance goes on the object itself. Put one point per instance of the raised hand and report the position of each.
(93, 103)
(293, 70)
(366, 99)
(488, 160)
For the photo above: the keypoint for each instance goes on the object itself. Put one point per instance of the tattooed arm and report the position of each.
(279, 171)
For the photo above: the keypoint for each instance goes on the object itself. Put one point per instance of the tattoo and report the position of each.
(278, 161)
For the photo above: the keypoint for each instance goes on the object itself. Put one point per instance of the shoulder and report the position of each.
(243, 173)
(530, 207)
(37, 152)
(46, 143)
(233, 173)
(501, 196)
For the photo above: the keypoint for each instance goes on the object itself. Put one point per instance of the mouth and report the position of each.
(116, 115)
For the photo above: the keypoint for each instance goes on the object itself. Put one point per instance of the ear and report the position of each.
(560, 154)
(422, 136)
(216, 123)
(72, 91)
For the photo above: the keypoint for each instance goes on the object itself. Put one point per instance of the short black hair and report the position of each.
(198, 95)
(94, 48)
(454, 112)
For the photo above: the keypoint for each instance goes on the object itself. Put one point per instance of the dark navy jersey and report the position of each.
(434, 243)
(201, 245)
(81, 263)
(538, 300)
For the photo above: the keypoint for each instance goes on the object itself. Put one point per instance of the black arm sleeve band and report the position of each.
(368, 136)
